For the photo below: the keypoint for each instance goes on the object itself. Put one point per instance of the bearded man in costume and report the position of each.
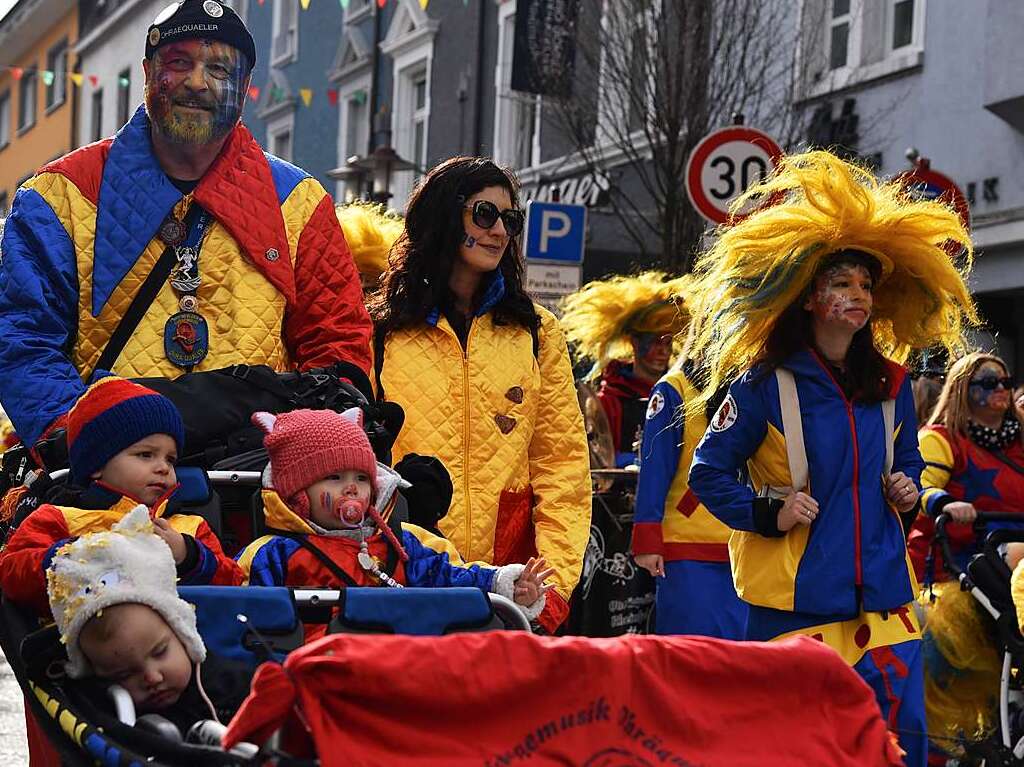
(626, 325)
(260, 273)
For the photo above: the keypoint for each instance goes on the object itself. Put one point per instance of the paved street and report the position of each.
(13, 750)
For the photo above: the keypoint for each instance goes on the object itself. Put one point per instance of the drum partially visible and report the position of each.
(614, 595)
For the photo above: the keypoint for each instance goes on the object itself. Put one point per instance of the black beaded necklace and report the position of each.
(994, 439)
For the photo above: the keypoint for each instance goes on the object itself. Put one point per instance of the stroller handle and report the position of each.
(942, 537)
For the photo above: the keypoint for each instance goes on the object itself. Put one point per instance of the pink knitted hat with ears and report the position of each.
(306, 446)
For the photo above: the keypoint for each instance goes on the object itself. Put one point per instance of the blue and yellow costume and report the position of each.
(845, 578)
(696, 594)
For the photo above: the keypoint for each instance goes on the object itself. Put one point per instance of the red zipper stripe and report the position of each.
(858, 567)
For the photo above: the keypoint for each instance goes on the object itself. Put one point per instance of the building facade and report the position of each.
(38, 98)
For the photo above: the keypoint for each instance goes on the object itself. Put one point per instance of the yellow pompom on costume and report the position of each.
(600, 318)
(370, 231)
(962, 667)
(821, 205)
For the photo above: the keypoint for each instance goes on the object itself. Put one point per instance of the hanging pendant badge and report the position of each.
(186, 338)
(186, 333)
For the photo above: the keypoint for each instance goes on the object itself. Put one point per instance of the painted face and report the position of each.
(143, 471)
(990, 388)
(134, 647)
(340, 501)
(482, 248)
(842, 297)
(653, 351)
(195, 90)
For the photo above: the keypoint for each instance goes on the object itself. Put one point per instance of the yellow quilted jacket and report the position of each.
(508, 427)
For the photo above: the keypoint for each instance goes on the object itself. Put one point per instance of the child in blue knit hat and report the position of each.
(123, 441)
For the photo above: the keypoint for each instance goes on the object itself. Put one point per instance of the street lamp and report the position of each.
(380, 165)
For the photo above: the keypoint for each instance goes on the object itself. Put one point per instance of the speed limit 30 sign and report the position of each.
(724, 165)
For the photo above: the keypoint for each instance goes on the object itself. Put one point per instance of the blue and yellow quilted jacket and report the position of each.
(278, 283)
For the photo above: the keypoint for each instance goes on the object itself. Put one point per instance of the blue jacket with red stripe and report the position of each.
(853, 556)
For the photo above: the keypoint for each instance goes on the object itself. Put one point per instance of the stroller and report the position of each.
(986, 579)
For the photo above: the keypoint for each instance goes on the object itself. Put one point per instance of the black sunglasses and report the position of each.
(989, 383)
(486, 215)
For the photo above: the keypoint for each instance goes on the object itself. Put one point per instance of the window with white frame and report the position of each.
(285, 44)
(840, 23)
(5, 118)
(27, 100)
(517, 115)
(863, 40)
(57, 64)
(410, 44)
(281, 135)
(900, 18)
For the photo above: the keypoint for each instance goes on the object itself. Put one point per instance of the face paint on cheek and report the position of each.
(229, 96)
(978, 396)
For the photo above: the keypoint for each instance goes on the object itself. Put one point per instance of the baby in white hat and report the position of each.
(114, 599)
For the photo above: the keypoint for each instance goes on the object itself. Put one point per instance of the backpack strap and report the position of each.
(889, 417)
(792, 425)
(330, 564)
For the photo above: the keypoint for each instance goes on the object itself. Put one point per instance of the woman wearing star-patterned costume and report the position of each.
(974, 458)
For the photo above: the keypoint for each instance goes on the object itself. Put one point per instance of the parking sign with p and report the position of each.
(555, 231)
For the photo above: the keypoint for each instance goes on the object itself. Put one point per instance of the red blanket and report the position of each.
(509, 698)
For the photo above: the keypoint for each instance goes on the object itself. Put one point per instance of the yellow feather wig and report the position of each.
(370, 231)
(820, 205)
(599, 318)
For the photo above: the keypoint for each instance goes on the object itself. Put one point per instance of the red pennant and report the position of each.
(381, 3)
(16, 72)
(332, 96)
(254, 92)
(94, 80)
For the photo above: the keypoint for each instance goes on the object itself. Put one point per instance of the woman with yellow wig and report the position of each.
(805, 306)
(625, 325)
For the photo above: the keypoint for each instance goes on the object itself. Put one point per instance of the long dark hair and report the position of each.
(866, 369)
(421, 260)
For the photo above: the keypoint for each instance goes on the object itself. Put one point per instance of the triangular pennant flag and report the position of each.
(124, 82)
(254, 93)
(332, 96)
(423, 4)
(48, 77)
(305, 4)
(76, 79)
(381, 3)
(344, 5)
(276, 94)
(307, 95)
(17, 72)
(359, 97)
(94, 80)
(261, 1)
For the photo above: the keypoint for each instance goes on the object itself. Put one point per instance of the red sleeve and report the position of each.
(28, 553)
(329, 322)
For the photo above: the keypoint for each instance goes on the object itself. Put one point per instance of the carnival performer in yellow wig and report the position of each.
(802, 301)
(625, 325)
(370, 231)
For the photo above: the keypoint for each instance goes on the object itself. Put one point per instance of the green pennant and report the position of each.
(124, 82)
(47, 77)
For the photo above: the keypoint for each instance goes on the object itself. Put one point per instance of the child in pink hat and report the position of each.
(325, 499)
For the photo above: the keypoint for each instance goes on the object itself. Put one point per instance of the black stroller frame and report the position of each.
(987, 578)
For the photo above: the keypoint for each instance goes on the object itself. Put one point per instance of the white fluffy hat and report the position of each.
(128, 563)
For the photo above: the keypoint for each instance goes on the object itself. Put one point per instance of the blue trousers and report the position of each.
(896, 675)
(699, 598)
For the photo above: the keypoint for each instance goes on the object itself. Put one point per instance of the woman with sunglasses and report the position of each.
(483, 375)
(974, 458)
